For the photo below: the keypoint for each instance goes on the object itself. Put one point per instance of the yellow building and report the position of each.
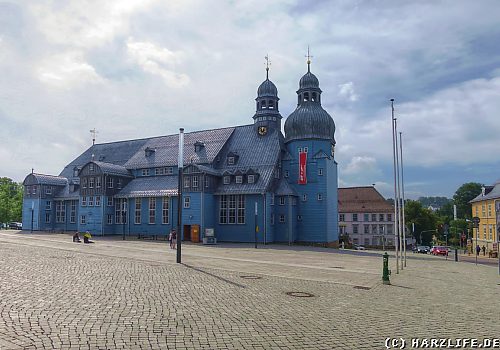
(486, 207)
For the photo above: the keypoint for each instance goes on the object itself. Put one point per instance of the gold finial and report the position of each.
(308, 56)
(268, 63)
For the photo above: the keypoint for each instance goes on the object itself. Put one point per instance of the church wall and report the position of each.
(28, 205)
(332, 201)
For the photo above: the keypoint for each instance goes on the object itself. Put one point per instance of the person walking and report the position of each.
(173, 239)
(484, 250)
(478, 249)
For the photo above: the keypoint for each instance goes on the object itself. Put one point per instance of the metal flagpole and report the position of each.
(395, 188)
(399, 194)
(403, 192)
(180, 163)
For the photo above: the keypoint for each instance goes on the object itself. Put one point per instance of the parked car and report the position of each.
(423, 249)
(358, 247)
(439, 250)
(16, 226)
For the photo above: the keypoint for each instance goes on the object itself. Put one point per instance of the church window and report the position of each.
(271, 104)
(251, 179)
(306, 96)
(304, 197)
(97, 182)
(320, 171)
(145, 172)
(263, 104)
(187, 202)
(166, 207)
(232, 209)
(227, 180)
(313, 97)
(110, 182)
(287, 173)
(91, 201)
(83, 219)
(84, 201)
(282, 200)
(272, 199)
(239, 179)
(91, 182)
(320, 196)
(152, 210)
(137, 219)
(282, 219)
(186, 182)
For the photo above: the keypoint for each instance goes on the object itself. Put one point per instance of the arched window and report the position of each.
(313, 97)
(306, 96)
(271, 104)
(264, 104)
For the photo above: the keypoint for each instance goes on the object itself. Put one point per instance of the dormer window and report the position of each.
(48, 190)
(239, 179)
(91, 167)
(198, 146)
(230, 160)
(251, 179)
(145, 172)
(149, 151)
(227, 180)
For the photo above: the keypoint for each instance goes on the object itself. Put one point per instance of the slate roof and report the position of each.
(245, 141)
(113, 169)
(208, 170)
(493, 193)
(154, 186)
(284, 189)
(166, 149)
(44, 179)
(114, 153)
(65, 193)
(362, 200)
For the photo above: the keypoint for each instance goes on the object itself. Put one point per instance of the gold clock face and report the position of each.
(262, 130)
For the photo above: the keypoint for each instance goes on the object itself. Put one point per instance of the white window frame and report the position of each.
(227, 179)
(238, 179)
(186, 203)
(320, 171)
(251, 179)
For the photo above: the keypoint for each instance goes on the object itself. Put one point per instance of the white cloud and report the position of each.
(347, 91)
(66, 70)
(155, 60)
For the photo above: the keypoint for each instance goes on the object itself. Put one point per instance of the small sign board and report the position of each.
(475, 221)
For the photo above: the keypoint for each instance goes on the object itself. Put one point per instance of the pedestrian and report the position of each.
(484, 250)
(86, 237)
(478, 249)
(76, 237)
(173, 238)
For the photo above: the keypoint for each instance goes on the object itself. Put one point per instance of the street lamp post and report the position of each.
(394, 149)
(180, 162)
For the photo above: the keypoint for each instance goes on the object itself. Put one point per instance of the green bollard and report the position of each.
(385, 270)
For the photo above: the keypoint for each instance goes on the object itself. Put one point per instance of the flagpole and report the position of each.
(400, 235)
(180, 164)
(396, 229)
(403, 192)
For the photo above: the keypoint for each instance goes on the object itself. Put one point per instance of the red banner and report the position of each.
(302, 168)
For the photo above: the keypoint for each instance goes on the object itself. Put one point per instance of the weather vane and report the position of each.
(93, 132)
(308, 56)
(268, 63)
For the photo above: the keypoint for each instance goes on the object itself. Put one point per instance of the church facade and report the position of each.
(242, 183)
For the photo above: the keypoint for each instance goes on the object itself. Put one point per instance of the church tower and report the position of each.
(310, 166)
(267, 117)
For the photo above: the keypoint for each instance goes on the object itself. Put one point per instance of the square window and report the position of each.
(239, 179)
(145, 172)
(230, 160)
(227, 180)
(187, 202)
(251, 179)
(282, 219)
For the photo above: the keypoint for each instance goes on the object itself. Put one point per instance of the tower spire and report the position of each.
(308, 59)
(268, 63)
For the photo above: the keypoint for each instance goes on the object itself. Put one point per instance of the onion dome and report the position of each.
(267, 89)
(309, 120)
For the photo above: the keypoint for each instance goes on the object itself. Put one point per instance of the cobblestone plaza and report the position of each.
(131, 294)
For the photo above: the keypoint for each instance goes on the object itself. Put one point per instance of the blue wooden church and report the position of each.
(235, 179)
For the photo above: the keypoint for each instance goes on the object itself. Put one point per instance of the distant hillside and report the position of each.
(436, 202)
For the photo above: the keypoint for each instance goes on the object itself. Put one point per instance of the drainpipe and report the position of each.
(265, 217)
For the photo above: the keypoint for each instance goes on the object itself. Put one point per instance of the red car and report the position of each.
(439, 250)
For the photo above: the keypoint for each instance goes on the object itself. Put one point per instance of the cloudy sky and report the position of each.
(141, 68)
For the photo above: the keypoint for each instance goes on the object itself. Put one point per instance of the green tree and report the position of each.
(463, 196)
(11, 200)
(422, 219)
